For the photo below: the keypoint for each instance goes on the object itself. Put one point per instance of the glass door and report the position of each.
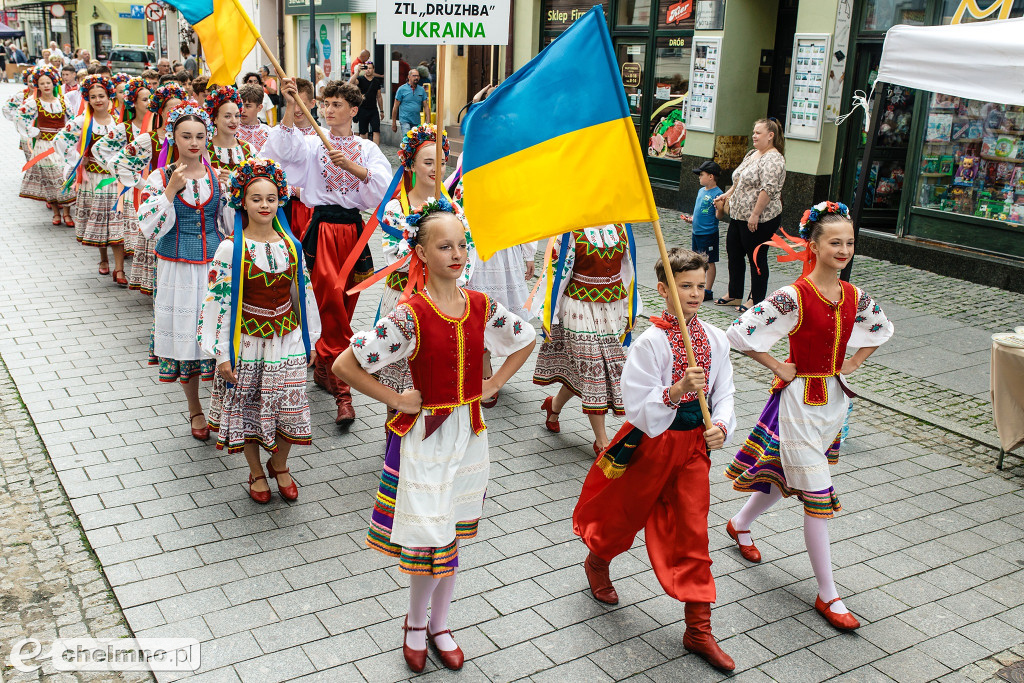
(631, 56)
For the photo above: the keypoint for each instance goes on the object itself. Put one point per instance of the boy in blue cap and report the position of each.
(705, 223)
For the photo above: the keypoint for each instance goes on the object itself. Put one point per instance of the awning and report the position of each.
(8, 32)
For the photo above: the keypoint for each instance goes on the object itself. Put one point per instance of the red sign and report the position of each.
(679, 12)
(327, 67)
(154, 12)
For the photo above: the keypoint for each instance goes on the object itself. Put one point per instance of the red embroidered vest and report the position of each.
(596, 271)
(447, 366)
(817, 345)
(267, 302)
(49, 124)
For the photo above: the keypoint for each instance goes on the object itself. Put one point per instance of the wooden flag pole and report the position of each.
(439, 164)
(677, 307)
(298, 100)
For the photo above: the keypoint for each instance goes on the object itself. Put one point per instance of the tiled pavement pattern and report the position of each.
(929, 549)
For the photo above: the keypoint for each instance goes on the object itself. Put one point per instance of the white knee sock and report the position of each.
(439, 605)
(420, 590)
(816, 539)
(757, 504)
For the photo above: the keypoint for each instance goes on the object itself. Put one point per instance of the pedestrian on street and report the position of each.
(260, 322)
(410, 101)
(704, 221)
(435, 474)
(181, 210)
(755, 212)
(796, 438)
(372, 108)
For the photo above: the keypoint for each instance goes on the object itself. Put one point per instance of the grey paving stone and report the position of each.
(569, 643)
(289, 633)
(954, 650)
(276, 666)
(340, 649)
(800, 666)
(891, 634)
(228, 650)
(627, 657)
(784, 636)
(912, 665)
(577, 670)
(350, 616)
(515, 628)
(513, 663)
(992, 634)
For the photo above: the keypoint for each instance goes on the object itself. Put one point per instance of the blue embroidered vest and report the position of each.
(194, 237)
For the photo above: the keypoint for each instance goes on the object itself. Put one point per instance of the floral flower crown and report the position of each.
(93, 80)
(131, 91)
(45, 71)
(26, 78)
(416, 138)
(220, 96)
(413, 220)
(248, 171)
(167, 91)
(119, 78)
(814, 214)
(186, 108)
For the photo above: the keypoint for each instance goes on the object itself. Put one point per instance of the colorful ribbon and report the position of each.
(796, 250)
(37, 158)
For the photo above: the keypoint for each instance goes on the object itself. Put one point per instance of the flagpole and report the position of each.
(673, 295)
(439, 165)
(280, 71)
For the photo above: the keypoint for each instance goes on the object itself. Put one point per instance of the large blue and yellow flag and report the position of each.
(553, 148)
(226, 32)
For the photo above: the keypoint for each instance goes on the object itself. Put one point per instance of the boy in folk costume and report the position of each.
(654, 475)
(797, 435)
(300, 214)
(252, 130)
(436, 466)
(339, 183)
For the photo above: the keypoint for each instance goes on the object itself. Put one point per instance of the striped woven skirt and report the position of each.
(142, 274)
(97, 223)
(436, 562)
(584, 353)
(757, 466)
(44, 180)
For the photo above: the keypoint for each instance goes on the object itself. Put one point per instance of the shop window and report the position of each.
(634, 13)
(631, 58)
(881, 15)
(560, 14)
(968, 11)
(972, 159)
(676, 14)
(671, 86)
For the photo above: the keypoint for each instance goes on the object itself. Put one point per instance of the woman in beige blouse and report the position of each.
(755, 212)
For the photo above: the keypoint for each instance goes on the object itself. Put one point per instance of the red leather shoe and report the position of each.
(600, 583)
(490, 403)
(320, 377)
(201, 434)
(699, 640)
(261, 497)
(552, 425)
(104, 268)
(119, 279)
(843, 622)
(346, 414)
(56, 220)
(416, 660)
(289, 492)
(452, 659)
(750, 552)
(68, 222)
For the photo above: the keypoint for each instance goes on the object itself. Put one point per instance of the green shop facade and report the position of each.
(946, 177)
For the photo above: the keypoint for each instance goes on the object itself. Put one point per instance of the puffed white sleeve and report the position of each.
(504, 331)
(131, 163)
(108, 148)
(392, 339)
(394, 219)
(646, 379)
(378, 174)
(156, 212)
(287, 146)
(215, 316)
(766, 323)
(10, 108)
(313, 324)
(528, 250)
(871, 326)
(25, 118)
(721, 389)
(65, 144)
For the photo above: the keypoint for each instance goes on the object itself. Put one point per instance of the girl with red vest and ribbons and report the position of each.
(97, 222)
(40, 119)
(587, 306)
(137, 159)
(120, 81)
(260, 321)
(227, 152)
(182, 210)
(436, 466)
(797, 435)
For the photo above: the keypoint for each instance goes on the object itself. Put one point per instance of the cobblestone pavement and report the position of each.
(929, 550)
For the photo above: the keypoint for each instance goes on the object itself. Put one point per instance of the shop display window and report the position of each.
(888, 165)
(634, 13)
(671, 85)
(881, 15)
(676, 14)
(972, 159)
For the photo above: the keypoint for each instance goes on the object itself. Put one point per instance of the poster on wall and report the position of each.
(807, 86)
(837, 72)
(469, 22)
(710, 15)
(704, 69)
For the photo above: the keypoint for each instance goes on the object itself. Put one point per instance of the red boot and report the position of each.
(321, 377)
(698, 639)
(600, 583)
(343, 397)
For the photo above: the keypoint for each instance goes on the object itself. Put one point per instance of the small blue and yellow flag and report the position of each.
(554, 148)
(226, 32)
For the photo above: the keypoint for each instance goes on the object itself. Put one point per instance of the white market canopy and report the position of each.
(982, 60)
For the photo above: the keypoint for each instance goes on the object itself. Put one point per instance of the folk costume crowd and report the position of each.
(253, 244)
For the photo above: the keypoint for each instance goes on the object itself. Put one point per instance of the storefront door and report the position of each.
(631, 56)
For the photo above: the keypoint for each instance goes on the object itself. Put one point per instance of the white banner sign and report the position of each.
(465, 22)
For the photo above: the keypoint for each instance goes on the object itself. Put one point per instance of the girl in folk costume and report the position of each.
(416, 186)
(40, 119)
(435, 471)
(227, 152)
(97, 223)
(13, 103)
(588, 311)
(796, 438)
(120, 81)
(181, 210)
(107, 150)
(137, 159)
(260, 321)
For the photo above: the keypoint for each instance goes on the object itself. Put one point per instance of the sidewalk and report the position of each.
(928, 550)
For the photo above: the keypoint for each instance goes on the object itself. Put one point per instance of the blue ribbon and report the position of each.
(237, 272)
(556, 280)
(634, 300)
(389, 193)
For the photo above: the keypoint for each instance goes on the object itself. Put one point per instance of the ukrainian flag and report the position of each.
(553, 148)
(225, 31)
